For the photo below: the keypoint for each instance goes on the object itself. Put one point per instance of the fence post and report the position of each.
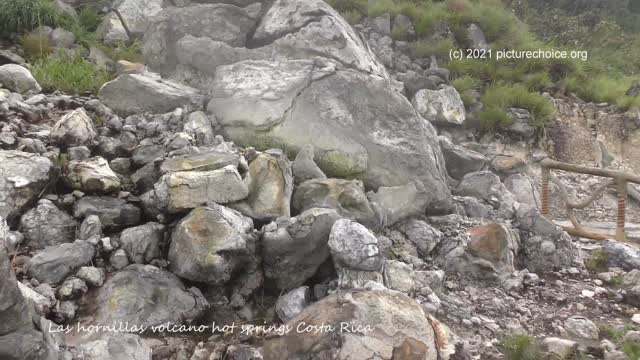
(545, 190)
(622, 198)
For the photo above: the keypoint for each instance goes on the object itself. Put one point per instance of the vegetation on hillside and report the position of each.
(63, 70)
(503, 83)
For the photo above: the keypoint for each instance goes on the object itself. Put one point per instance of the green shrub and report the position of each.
(427, 48)
(123, 51)
(537, 81)
(72, 75)
(598, 261)
(521, 347)
(465, 83)
(501, 97)
(35, 46)
(89, 18)
(19, 16)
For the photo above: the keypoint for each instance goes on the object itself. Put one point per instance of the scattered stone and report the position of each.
(119, 259)
(396, 203)
(113, 213)
(460, 161)
(46, 225)
(399, 276)
(293, 249)
(116, 347)
(23, 176)
(92, 175)
(581, 328)
(55, 263)
(74, 129)
(143, 243)
(353, 246)
(443, 106)
(93, 276)
(72, 288)
(293, 303)
(304, 167)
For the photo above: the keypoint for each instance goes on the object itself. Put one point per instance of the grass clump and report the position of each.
(19, 16)
(598, 261)
(499, 97)
(427, 48)
(521, 347)
(466, 85)
(69, 74)
(35, 46)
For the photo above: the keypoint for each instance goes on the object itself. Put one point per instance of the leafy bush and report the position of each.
(19, 16)
(72, 75)
(89, 18)
(427, 48)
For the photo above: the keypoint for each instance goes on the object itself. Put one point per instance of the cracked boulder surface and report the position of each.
(368, 324)
(295, 73)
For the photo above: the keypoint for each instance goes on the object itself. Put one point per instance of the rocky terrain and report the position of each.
(274, 183)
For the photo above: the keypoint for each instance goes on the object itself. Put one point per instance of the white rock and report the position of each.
(440, 106)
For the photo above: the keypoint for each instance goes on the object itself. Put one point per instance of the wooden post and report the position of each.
(545, 190)
(622, 198)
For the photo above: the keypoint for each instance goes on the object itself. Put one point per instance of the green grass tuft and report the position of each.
(499, 97)
(598, 261)
(20, 16)
(72, 75)
(521, 347)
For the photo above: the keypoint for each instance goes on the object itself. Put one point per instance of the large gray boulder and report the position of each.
(131, 94)
(303, 29)
(524, 189)
(384, 324)
(22, 177)
(218, 22)
(353, 246)
(55, 263)
(18, 79)
(399, 202)
(293, 103)
(293, 249)
(212, 244)
(46, 225)
(347, 197)
(486, 186)
(19, 340)
(270, 184)
(146, 296)
(137, 15)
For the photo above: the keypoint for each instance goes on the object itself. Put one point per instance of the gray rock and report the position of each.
(61, 38)
(622, 255)
(41, 303)
(136, 289)
(7, 57)
(581, 328)
(347, 197)
(143, 243)
(421, 234)
(55, 263)
(476, 38)
(486, 186)
(79, 153)
(558, 346)
(116, 347)
(353, 246)
(520, 125)
(18, 79)
(23, 176)
(524, 189)
(218, 22)
(90, 227)
(382, 24)
(114, 213)
(92, 175)
(65, 311)
(397, 325)
(304, 167)
(46, 225)
(204, 161)
(212, 244)
(179, 191)
(634, 90)
(200, 127)
(293, 249)
(270, 184)
(388, 145)
(131, 94)
(19, 340)
(74, 129)
(313, 29)
(293, 303)
(93, 276)
(72, 288)
(399, 276)
(399, 202)
(119, 259)
(137, 15)
(443, 106)
(145, 154)
(459, 160)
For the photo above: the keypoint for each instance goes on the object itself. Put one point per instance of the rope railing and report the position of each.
(620, 178)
